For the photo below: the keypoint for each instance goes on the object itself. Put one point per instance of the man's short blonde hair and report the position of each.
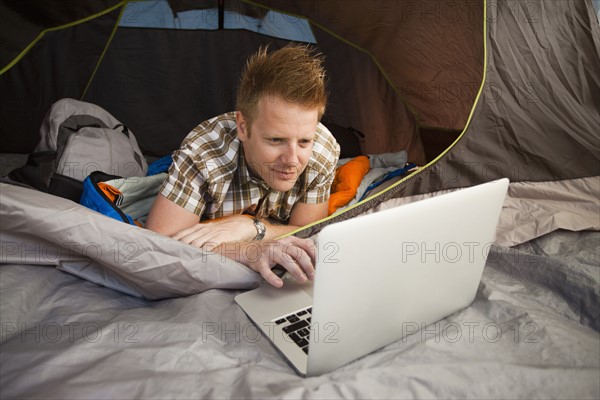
(294, 72)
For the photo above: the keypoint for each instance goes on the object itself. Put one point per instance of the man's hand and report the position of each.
(297, 256)
(208, 235)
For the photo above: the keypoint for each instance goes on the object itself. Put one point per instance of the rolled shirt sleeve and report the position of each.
(186, 183)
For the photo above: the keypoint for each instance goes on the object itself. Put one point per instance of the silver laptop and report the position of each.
(379, 275)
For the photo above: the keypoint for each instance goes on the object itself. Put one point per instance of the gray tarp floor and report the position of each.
(532, 332)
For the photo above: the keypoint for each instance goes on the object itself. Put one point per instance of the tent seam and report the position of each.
(475, 102)
(56, 28)
(108, 42)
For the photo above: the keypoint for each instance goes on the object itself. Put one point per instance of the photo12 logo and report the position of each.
(250, 333)
(43, 252)
(71, 332)
(449, 252)
(470, 331)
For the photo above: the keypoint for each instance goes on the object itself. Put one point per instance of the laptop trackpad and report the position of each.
(289, 281)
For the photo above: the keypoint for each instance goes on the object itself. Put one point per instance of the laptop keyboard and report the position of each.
(297, 327)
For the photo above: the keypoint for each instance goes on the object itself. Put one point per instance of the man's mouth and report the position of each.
(285, 174)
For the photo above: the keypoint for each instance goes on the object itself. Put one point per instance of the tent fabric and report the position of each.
(431, 51)
(540, 106)
(69, 57)
(537, 116)
(531, 209)
(22, 23)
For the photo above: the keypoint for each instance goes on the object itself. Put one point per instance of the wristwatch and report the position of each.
(261, 230)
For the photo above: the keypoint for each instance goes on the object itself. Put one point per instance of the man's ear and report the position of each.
(242, 125)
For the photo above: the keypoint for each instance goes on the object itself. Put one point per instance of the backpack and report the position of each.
(78, 138)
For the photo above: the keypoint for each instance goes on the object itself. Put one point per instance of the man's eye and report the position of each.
(276, 140)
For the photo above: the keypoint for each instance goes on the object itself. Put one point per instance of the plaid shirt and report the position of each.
(210, 178)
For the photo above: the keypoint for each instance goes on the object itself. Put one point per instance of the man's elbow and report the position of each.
(168, 218)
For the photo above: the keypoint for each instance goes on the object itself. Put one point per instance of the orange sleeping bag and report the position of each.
(346, 182)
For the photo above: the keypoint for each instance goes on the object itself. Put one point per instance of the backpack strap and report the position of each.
(36, 172)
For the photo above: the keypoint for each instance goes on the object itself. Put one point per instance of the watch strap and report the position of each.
(261, 229)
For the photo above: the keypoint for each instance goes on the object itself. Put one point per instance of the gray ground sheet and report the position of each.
(532, 332)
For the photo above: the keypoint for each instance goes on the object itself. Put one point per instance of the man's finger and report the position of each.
(307, 245)
(301, 258)
(270, 276)
(290, 264)
(209, 246)
(307, 265)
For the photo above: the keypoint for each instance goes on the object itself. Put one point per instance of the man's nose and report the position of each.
(290, 155)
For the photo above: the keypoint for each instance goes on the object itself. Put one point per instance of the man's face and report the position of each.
(279, 143)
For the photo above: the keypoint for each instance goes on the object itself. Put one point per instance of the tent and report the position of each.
(472, 90)
(415, 76)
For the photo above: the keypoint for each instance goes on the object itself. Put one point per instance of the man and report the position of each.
(257, 173)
